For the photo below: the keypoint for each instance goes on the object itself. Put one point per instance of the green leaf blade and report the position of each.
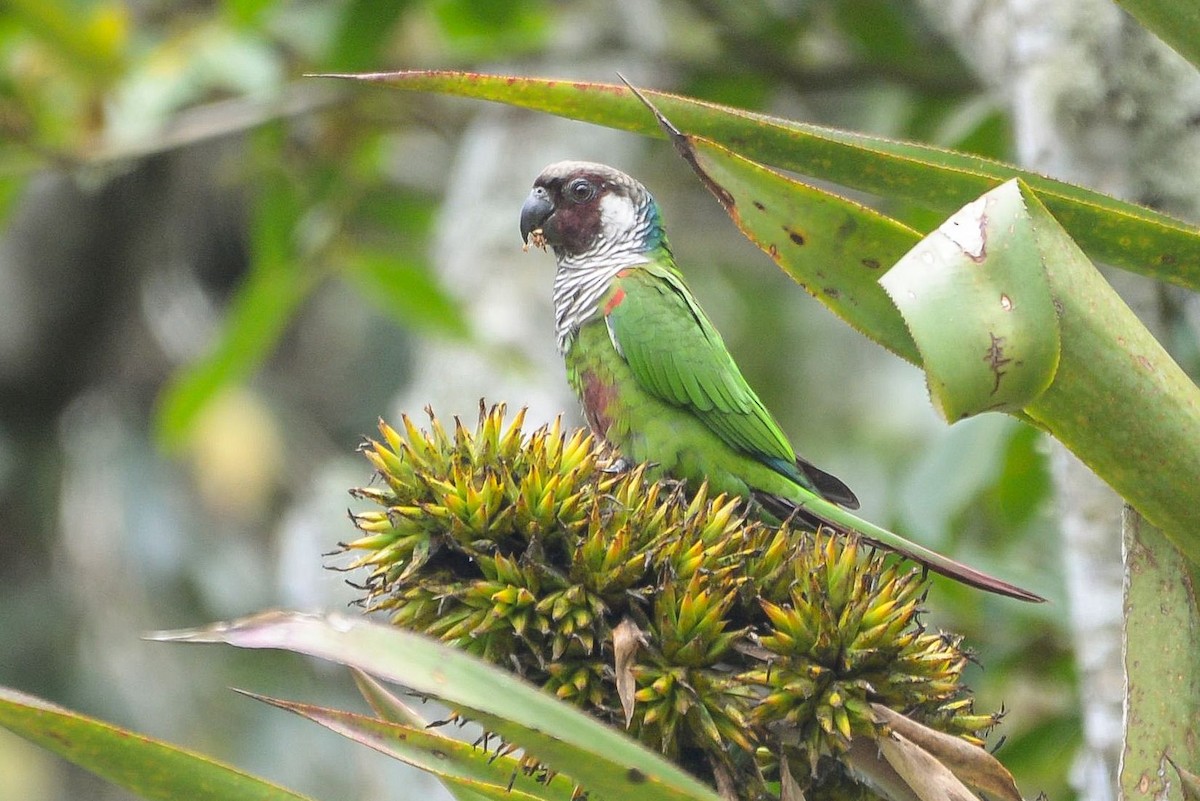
(1176, 22)
(1162, 686)
(151, 768)
(1118, 399)
(1113, 231)
(836, 249)
(977, 300)
(459, 764)
(558, 735)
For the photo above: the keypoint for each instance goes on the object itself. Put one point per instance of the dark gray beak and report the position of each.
(535, 212)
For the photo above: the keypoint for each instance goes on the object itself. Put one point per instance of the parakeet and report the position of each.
(653, 375)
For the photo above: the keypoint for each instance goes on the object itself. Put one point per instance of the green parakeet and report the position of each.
(654, 377)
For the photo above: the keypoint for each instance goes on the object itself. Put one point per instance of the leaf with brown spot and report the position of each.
(977, 300)
(1189, 783)
(1113, 231)
(762, 203)
(1010, 314)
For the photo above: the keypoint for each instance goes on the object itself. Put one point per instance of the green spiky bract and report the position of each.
(752, 640)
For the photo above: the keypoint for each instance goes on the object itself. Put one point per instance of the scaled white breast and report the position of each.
(577, 290)
(581, 280)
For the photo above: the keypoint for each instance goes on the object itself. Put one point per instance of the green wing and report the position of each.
(675, 353)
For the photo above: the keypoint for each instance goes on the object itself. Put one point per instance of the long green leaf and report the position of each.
(568, 741)
(460, 764)
(1162, 673)
(833, 247)
(148, 767)
(977, 300)
(390, 708)
(1118, 233)
(1118, 399)
(1176, 22)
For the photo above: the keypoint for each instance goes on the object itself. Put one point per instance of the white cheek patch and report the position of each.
(617, 217)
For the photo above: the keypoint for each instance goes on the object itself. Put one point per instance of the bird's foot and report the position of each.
(616, 466)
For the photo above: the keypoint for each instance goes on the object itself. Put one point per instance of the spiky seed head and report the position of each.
(757, 643)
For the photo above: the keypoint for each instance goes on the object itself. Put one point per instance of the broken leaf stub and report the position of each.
(976, 298)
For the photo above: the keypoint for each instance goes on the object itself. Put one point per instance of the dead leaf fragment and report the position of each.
(921, 771)
(627, 638)
(973, 765)
(789, 788)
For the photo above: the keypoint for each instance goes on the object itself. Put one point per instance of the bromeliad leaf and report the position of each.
(977, 300)
(461, 765)
(1118, 400)
(151, 768)
(391, 709)
(833, 247)
(1162, 674)
(1112, 231)
(1010, 314)
(561, 737)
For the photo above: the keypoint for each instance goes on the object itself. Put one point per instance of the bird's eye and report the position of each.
(581, 190)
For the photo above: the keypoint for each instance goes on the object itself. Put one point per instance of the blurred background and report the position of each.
(216, 274)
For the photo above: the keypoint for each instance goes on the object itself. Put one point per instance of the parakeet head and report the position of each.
(589, 211)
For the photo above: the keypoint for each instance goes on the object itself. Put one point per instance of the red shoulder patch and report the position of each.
(614, 301)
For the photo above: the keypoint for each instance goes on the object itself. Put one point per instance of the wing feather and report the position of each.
(676, 354)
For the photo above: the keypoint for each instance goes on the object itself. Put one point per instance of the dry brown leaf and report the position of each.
(627, 638)
(789, 788)
(726, 786)
(973, 765)
(928, 778)
(868, 764)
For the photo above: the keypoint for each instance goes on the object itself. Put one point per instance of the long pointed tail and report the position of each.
(818, 511)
